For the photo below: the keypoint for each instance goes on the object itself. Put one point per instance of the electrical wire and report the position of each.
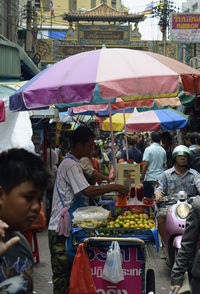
(56, 21)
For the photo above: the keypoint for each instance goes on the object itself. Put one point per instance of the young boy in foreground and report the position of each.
(23, 180)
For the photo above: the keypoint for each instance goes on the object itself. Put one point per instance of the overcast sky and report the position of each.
(148, 28)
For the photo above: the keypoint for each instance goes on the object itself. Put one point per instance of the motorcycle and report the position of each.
(178, 208)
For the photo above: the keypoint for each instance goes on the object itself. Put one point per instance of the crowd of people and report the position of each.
(74, 180)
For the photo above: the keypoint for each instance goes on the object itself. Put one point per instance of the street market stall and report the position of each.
(129, 221)
(134, 227)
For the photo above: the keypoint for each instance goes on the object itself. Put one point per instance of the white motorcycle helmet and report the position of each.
(181, 150)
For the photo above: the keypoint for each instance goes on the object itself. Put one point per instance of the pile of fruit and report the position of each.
(134, 219)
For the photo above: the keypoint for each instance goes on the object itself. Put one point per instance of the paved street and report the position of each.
(42, 270)
(162, 271)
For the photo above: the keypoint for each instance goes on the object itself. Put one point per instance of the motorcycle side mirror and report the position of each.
(182, 196)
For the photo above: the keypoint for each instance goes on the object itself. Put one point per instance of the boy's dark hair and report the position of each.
(156, 137)
(81, 135)
(19, 165)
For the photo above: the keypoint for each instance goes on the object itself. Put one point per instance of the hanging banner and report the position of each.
(185, 28)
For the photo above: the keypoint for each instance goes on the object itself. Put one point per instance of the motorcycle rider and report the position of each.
(186, 254)
(178, 178)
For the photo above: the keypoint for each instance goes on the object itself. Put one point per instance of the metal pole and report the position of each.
(126, 142)
(28, 28)
(112, 141)
(164, 43)
(51, 23)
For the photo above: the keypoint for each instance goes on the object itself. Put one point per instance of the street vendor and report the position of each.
(71, 191)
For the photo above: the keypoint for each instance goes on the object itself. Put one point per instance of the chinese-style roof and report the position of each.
(103, 12)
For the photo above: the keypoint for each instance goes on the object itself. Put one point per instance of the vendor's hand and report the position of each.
(175, 289)
(4, 246)
(122, 190)
(158, 197)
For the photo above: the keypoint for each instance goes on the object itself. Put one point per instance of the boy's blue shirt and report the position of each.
(16, 267)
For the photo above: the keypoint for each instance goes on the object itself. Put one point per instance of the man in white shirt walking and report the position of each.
(155, 160)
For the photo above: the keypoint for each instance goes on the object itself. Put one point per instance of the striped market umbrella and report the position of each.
(165, 119)
(96, 76)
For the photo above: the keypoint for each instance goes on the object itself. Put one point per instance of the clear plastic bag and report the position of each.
(112, 270)
(91, 216)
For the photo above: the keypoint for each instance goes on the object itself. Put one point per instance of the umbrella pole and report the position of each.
(126, 142)
(112, 141)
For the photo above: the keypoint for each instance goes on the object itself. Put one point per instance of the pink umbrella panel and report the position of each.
(120, 104)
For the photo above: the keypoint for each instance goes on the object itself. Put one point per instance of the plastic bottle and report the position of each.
(132, 191)
(121, 200)
(140, 192)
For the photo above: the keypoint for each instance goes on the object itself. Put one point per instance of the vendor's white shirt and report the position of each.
(70, 180)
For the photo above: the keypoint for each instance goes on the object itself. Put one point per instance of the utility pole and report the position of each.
(164, 31)
(163, 23)
(51, 24)
(28, 28)
(9, 21)
(35, 31)
(163, 10)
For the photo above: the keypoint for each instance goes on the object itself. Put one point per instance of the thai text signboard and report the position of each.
(104, 34)
(185, 28)
(133, 270)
